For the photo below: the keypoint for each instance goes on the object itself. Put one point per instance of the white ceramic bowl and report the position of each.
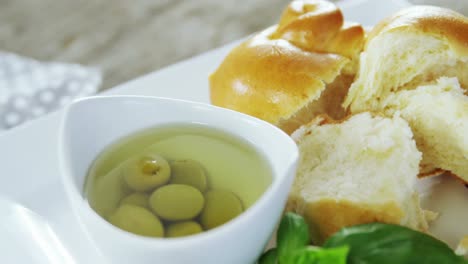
(91, 124)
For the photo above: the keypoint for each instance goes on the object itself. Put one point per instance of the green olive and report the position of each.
(138, 199)
(183, 229)
(146, 173)
(177, 202)
(220, 207)
(137, 220)
(188, 172)
(105, 195)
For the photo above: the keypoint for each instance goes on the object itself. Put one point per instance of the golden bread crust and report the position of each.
(284, 68)
(439, 22)
(319, 26)
(272, 79)
(425, 170)
(309, 24)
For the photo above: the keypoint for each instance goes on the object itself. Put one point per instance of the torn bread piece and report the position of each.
(412, 48)
(438, 117)
(415, 46)
(360, 170)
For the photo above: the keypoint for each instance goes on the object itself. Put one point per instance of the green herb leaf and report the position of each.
(269, 257)
(315, 255)
(390, 244)
(292, 234)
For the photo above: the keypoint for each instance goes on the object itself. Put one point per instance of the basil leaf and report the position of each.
(314, 255)
(390, 244)
(269, 257)
(292, 234)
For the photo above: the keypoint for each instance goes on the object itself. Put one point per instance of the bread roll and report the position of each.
(412, 48)
(289, 73)
(355, 171)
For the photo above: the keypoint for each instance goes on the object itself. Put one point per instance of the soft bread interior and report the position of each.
(413, 48)
(438, 116)
(328, 103)
(402, 60)
(357, 171)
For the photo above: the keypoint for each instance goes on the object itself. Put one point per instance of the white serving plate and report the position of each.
(30, 172)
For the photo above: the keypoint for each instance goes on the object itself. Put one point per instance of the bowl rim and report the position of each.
(77, 201)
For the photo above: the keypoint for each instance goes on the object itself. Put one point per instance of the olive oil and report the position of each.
(156, 169)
